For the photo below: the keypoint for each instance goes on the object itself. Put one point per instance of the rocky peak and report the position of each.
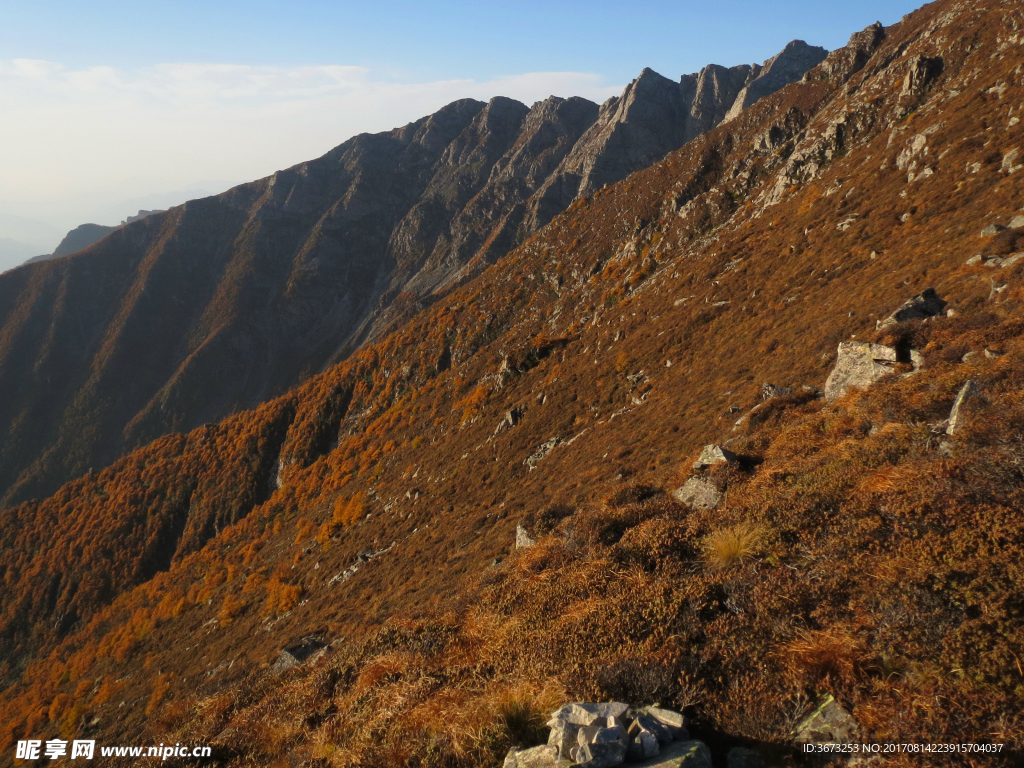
(787, 66)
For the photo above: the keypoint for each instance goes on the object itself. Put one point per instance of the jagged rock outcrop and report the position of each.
(655, 116)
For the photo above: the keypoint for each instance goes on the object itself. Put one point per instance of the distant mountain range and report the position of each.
(185, 316)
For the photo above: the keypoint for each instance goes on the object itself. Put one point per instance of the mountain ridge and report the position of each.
(217, 305)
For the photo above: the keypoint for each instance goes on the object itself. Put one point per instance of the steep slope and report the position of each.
(186, 316)
(862, 548)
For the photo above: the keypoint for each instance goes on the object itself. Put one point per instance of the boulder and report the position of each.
(992, 230)
(698, 493)
(523, 539)
(1017, 222)
(680, 754)
(770, 391)
(508, 421)
(661, 732)
(545, 756)
(925, 304)
(956, 417)
(602, 754)
(299, 652)
(674, 721)
(829, 722)
(588, 713)
(714, 454)
(564, 737)
(741, 757)
(859, 364)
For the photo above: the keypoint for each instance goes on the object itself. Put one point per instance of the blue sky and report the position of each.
(110, 105)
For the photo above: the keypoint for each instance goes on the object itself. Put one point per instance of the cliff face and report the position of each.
(184, 316)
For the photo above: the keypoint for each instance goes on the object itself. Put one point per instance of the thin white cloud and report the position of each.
(72, 138)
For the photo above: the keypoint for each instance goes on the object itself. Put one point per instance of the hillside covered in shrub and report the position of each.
(866, 546)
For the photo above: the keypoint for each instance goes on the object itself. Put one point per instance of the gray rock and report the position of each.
(1017, 222)
(770, 391)
(829, 722)
(308, 649)
(680, 754)
(1009, 261)
(922, 73)
(545, 756)
(971, 356)
(976, 259)
(714, 454)
(509, 420)
(860, 364)
(661, 732)
(674, 721)
(523, 539)
(956, 417)
(588, 713)
(564, 736)
(698, 493)
(541, 451)
(992, 230)
(925, 304)
(741, 757)
(602, 754)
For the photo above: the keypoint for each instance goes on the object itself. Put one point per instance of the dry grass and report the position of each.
(732, 545)
(831, 655)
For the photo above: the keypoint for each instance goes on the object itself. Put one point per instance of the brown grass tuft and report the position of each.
(732, 545)
(826, 655)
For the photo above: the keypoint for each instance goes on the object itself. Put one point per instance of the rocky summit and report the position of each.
(718, 462)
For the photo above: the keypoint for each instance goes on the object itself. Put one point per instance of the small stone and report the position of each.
(741, 757)
(714, 454)
(698, 493)
(976, 259)
(992, 354)
(1017, 222)
(992, 230)
(829, 722)
(1009, 261)
(956, 419)
(970, 356)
